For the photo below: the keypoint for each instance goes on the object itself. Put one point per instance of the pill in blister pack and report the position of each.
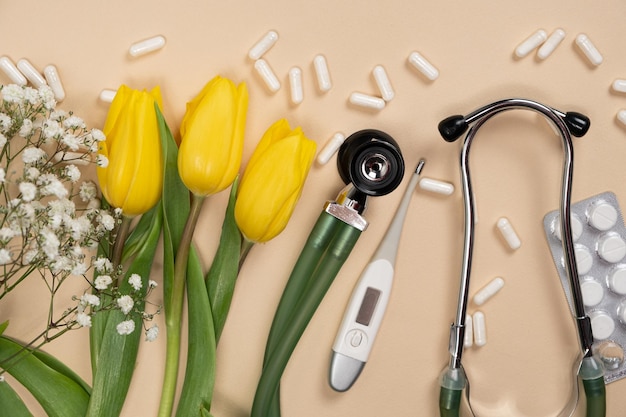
(600, 245)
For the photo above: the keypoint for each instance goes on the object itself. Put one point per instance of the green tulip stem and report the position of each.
(120, 239)
(246, 245)
(173, 317)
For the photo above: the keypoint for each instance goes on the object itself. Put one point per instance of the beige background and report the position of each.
(524, 369)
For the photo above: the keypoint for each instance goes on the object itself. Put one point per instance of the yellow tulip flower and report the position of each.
(212, 133)
(272, 182)
(133, 178)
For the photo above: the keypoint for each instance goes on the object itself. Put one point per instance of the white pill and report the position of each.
(54, 81)
(147, 45)
(602, 325)
(324, 82)
(330, 148)
(295, 84)
(508, 233)
(479, 328)
(423, 65)
(107, 95)
(530, 43)
(31, 73)
(619, 86)
(488, 291)
(551, 43)
(263, 45)
(584, 259)
(267, 74)
(365, 100)
(468, 338)
(436, 186)
(589, 49)
(383, 83)
(14, 74)
(592, 292)
(576, 227)
(611, 247)
(621, 116)
(617, 280)
(602, 215)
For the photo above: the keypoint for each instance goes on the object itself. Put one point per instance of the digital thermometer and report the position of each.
(368, 302)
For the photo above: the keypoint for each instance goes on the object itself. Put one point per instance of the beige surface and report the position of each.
(516, 170)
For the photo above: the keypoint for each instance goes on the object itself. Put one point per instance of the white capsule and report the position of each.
(589, 49)
(488, 291)
(383, 83)
(54, 81)
(530, 43)
(14, 74)
(508, 233)
(365, 100)
(479, 328)
(323, 75)
(147, 45)
(551, 43)
(107, 95)
(330, 148)
(263, 45)
(422, 64)
(436, 186)
(621, 116)
(295, 84)
(31, 73)
(468, 339)
(619, 86)
(267, 74)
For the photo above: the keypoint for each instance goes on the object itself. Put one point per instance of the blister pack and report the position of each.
(599, 238)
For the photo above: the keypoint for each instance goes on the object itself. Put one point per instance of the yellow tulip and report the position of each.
(272, 182)
(212, 133)
(133, 178)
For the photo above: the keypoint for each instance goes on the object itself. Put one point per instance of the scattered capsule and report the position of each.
(383, 83)
(14, 74)
(621, 116)
(323, 75)
(479, 328)
(54, 81)
(588, 48)
(31, 73)
(267, 74)
(147, 45)
(530, 43)
(422, 64)
(295, 83)
(507, 231)
(365, 100)
(488, 291)
(263, 45)
(436, 186)
(619, 86)
(468, 339)
(330, 148)
(107, 95)
(551, 43)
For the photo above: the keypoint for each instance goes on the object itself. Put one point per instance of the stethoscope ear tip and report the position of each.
(451, 128)
(577, 123)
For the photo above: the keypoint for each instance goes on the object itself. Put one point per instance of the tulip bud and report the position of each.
(272, 182)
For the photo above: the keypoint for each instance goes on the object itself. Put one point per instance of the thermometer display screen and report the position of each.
(368, 306)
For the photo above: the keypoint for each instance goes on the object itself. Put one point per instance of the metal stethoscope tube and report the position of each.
(453, 378)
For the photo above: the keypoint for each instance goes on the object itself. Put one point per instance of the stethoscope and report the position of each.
(370, 164)
(453, 378)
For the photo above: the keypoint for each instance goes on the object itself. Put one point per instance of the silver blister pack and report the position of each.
(600, 245)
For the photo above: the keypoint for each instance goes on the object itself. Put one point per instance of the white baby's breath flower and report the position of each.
(125, 303)
(13, 93)
(50, 185)
(2, 175)
(88, 191)
(152, 284)
(28, 191)
(50, 244)
(71, 141)
(83, 320)
(126, 327)
(47, 97)
(102, 282)
(52, 129)
(26, 129)
(3, 140)
(90, 299)
(152, 333)
(135, 281)
(72, 172)
(6, 234)
(58, 115)
(31, 173)
(107, 221)
(103, 264)
(5, 122)
(102, 161)
(98, 135)
(33, 155)
(5, 257)
(74, 122)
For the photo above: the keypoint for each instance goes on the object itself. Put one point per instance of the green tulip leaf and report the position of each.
(12, 404)
(3, 326)
(61, 368)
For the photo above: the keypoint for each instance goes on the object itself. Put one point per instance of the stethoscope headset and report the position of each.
(453, 379)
